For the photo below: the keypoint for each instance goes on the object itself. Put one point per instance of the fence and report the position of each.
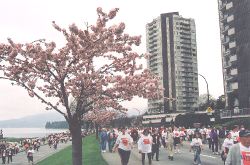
(235, 113)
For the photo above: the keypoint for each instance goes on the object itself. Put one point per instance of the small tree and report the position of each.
(203, 104)
(48, 72)
(99, 118)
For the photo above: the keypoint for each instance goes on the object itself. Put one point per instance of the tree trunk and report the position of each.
(75, 129)
(96, 131)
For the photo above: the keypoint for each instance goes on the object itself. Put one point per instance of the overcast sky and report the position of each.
(28, 20)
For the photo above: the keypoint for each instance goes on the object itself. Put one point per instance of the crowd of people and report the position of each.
(30, 146)
(220, 141)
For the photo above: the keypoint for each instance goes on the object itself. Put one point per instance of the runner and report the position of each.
(170, 143)
(196, 145)
(227, 144)
(30, 153)
(124, 144)
(156, 144)
(145, 146)
(177, 140)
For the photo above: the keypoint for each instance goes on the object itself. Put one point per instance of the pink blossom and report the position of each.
(51, 73)
(112, 13)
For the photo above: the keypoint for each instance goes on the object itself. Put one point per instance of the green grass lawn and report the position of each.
(91, 154)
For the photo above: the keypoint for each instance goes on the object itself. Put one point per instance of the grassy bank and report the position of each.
(12, 139)
(91, 154)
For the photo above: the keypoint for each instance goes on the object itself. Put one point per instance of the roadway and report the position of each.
(183, 158)
(44, 152)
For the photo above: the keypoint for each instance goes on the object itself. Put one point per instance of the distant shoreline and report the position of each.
(29, 132)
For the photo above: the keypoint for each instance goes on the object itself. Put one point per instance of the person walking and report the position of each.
(177, 140)
(239, 153)
(156, 144)
(103, 139)
(214, 141)
(145, 146)
(111, 140)
(169, 139)
(30, 153)
(227, 144)
(9, 154)
(208, 138)
(4, 154)
(124, 143)
(235, 133)
(196, 145)
(222, 133)
(134, 135)
(163, 136)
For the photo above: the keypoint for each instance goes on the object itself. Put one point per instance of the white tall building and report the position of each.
(171, 42)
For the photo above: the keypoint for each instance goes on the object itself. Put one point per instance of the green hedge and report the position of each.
(240, 121)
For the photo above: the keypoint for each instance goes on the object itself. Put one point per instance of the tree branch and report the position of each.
(38, 96)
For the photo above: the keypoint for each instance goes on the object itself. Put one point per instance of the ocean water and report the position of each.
(29, 132)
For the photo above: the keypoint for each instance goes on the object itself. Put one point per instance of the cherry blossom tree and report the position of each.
(53, 75)
(100, 118)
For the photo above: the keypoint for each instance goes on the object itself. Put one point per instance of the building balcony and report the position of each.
(224, 31)
(244, 112)
(226, 41)
(229, 90)
(223, 6)
(226, 53)
(223, 19)
(232, 79)
(227, 65)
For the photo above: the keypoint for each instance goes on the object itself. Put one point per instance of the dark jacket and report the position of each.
(156, 139)
(214, 136)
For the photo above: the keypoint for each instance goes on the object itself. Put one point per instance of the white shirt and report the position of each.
(208, 133)
(234, 135)
(196, 142)
(164, 135)
(245, 155)
(124, 142)
(190, 132)
(228, 143)
(145, 144)
(30, 152)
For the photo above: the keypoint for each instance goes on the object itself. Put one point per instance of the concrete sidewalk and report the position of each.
(114, 158)
(135, 158)
(183, 158)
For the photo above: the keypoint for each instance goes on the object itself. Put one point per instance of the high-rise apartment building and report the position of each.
(235, 44)
(171, 43)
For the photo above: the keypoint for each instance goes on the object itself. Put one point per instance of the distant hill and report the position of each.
(34, 121)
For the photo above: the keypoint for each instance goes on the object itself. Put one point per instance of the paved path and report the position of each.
(44, 152)
(183, 158)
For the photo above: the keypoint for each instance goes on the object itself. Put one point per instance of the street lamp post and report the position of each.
(170, 100)
(207, 89)
(139, 114)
